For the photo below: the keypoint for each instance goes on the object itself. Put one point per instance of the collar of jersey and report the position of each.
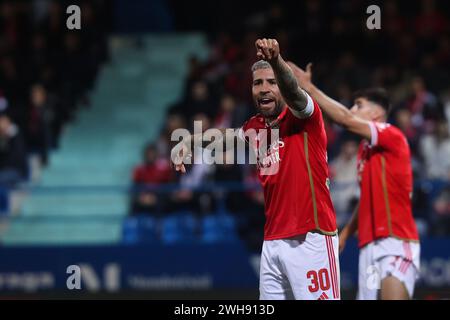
(277, 121)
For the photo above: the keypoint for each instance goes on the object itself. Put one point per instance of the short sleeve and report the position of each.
(385, 136)
(314, 122)
(308, 111)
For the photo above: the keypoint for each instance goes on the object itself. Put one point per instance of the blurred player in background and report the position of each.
(299, 258)
(388, 238)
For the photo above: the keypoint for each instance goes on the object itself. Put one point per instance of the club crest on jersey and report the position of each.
(272, 156)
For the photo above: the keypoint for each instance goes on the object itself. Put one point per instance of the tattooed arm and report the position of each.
(296, 98)
(183, 150)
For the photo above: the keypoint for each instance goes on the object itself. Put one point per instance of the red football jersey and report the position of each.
(386, 182)
(294, 175)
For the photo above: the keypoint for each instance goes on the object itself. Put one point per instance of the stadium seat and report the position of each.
(179, 228)
(171, 231)
(130, 231)
(139, 229)
(148, 232)
(218, 229)
(100, 148)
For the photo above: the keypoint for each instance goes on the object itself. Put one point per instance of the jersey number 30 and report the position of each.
(319, 280)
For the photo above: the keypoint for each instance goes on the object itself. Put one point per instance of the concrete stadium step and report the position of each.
(77, 204)
(32, 232)
(100, 148)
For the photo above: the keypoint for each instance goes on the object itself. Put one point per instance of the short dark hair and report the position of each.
(261, 64)
(376, 95)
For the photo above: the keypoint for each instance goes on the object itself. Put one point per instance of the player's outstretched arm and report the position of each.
(294, 96)
(183, 150)
(332, 108)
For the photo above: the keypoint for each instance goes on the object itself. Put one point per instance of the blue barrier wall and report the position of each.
(112, 268)
(174, 267)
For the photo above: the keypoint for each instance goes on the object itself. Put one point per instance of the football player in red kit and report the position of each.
(299, 258)
(387, 233)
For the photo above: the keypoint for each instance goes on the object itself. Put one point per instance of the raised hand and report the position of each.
(179, 154)
(267, 49)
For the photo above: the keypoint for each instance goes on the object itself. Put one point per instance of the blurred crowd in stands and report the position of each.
(46, 72)
(410, 56)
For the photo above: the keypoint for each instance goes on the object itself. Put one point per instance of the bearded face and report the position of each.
(266, 94)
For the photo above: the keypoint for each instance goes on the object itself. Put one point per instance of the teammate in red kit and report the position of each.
(299, 258)
(388, 238)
